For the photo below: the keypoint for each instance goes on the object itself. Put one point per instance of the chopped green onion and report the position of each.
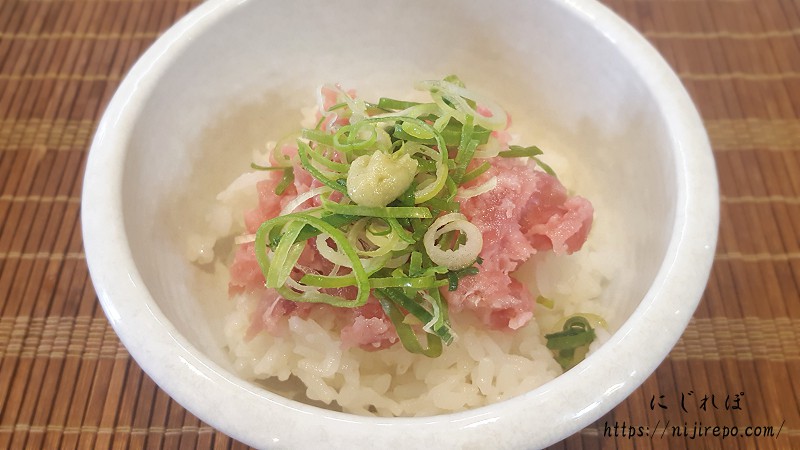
(395, 105)
(286, 180)
(378, 232)
(285, 255)
(425, 165)
(463, 159)
(545, 167)
(415, 263)
(340, 281)
(515, 151)
(416, 212)
(401, 232)
(466, 148)
(454, 276)
(352, 139)
(440, 310)
(451, 134)
(290, 235)
(319, 122)
(407, 197)
(328, 163)
(338, 106)
(397, 297)
(576, 334)
(454, 79)
(406, 334)
(382, 247)
(420, 226)
(546, 302)
(476, 172)
(416, 131)
(467, 130)
(318, 136)
(255, 166)
(303, 150)
(438, 205)
(335, 220)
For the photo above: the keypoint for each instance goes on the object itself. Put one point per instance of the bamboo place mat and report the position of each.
(67, 382)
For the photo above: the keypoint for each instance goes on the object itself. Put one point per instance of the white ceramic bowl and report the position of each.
(232, 74)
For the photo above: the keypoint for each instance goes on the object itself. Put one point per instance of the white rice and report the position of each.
(481, 367)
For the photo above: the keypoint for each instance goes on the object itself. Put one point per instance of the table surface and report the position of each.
(67, 382)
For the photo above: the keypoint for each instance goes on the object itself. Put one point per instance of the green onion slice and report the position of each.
(416, 212)
(401, 300)
(274, 272)
(255, 166)
(407, 335)
(393, 104)
(318, 136)
(576, 335)
(546, 302)
(336, 220)
(549, 170)
(476, 172)
(303, 151)
(515, 151)
(286, 180)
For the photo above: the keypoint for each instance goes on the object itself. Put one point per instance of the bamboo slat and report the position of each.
(67, 382)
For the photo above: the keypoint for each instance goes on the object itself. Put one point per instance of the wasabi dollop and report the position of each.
(379, 178)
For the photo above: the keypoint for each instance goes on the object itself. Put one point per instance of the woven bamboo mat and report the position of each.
(67, 382)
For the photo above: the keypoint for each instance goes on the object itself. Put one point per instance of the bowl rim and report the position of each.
(139, 322)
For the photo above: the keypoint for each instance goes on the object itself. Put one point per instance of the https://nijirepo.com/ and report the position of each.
(689, 430)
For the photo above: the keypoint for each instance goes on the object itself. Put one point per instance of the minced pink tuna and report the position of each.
(526, 212)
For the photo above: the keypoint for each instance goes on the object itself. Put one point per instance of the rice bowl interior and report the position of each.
(603, 104)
